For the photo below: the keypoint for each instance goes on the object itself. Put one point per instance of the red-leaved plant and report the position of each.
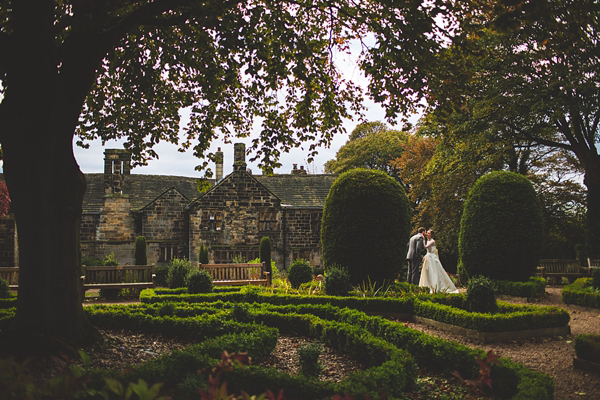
(484, 380)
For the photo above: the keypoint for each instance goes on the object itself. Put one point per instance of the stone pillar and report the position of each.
(117, 166)
(239, 157)
(218, 165)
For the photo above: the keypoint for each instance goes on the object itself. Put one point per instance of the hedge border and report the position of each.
(576, 294)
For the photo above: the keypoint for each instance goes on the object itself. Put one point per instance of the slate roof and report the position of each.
(302, 190)
(143, 189)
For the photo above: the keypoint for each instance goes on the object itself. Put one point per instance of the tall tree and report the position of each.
(124, 69)
(440, 168)
(371, 145)
(528, 69)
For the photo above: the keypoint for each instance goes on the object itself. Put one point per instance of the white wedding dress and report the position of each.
(433, 274)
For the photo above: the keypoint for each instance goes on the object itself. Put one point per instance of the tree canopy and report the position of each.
(372, 145)
(80, 70)
(524, 70)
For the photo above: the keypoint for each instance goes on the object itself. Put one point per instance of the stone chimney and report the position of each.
(117, 165)
(218, 165)
(296, 171)
(239, 157)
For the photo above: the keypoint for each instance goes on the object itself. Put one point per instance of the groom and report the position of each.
(415, 247)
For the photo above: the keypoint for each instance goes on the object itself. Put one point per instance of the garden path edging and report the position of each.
(489, 337)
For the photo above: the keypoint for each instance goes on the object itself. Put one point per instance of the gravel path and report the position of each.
(553, 356)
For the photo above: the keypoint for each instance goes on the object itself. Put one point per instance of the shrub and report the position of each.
(337, 281)
(308, 359)
(178, 272)
(110, 294)
(110, 260)
(4, 289)
(501, 228)
(140, 255)
(199, 282)
(265, 255)
(587, 347)
(166, 308)
(300, 272)
(92, 262)
(480, 295)
(461, 274)
(596, 278)
(241, 313)
(162, 275)
(203, 254)
(365, 224)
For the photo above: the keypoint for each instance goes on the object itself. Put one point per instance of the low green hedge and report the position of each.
(510, 317)
(587, 347)
(535, 287)
(8, 302)
(388, 365)
(581, 293)
(449, 309)
(367, 304)
(389, 350)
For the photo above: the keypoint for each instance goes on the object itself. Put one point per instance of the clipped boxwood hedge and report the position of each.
(581, 293)
(587, 347)
(534, 287)
(449, 309)
(380, 349)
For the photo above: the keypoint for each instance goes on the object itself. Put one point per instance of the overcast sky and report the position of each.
(172, 162)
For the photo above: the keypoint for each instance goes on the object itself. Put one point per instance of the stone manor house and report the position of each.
(230, 218)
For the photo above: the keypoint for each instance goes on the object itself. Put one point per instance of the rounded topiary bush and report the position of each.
(178, 272)
(299, 272)
(481, 296)
(337, 281)
(366, 225)
(199, 282)
(501, 233)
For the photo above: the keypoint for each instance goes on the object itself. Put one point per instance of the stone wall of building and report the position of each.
(164, 224)
(228, 218)
(88, 227)
(303, 233)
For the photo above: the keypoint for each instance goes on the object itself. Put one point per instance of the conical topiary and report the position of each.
(203, 254)
(141, 255)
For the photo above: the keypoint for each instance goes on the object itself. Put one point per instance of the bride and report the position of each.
(433, 274)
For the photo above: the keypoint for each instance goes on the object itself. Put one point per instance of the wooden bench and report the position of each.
(117, 277)
(558, 268)
(593, 263)
(10, 275)
(237, 274)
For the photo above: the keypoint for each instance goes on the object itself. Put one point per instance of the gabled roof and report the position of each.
(142, 189)
(169, 190)
(302, 190)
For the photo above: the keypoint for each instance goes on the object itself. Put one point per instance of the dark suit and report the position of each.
(415, 248)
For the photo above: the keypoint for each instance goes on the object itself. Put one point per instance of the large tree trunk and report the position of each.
(592, 181)
(46, 188)
(38, 116)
